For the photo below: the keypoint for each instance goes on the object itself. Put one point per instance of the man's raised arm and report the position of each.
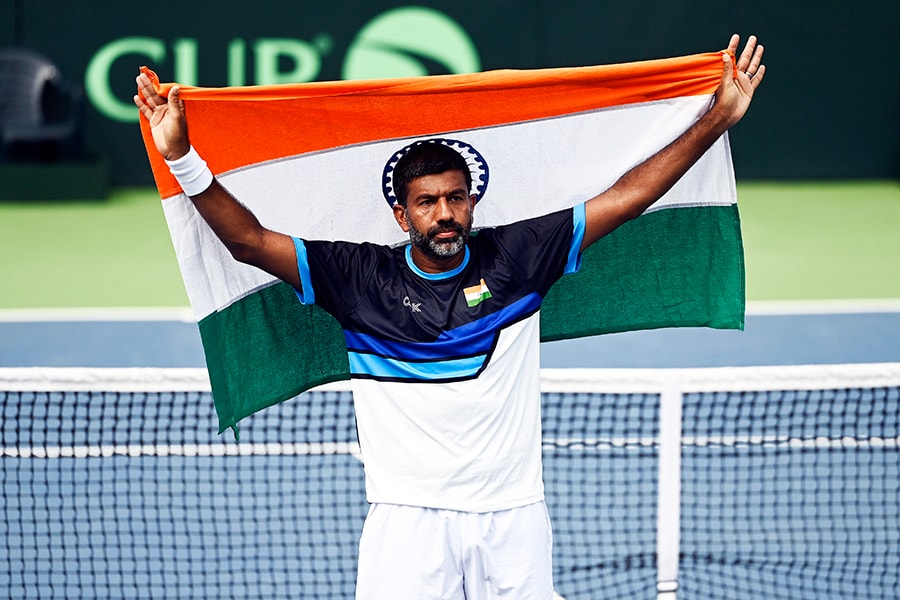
(240, 231)
(643, 185)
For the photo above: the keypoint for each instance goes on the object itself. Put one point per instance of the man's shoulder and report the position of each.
(350, 246)
(356, 255)
(561, 214)
(523, 226)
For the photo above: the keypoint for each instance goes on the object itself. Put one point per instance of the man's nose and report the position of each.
(444, 212)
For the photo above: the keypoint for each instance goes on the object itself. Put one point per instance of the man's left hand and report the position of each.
(739, 80)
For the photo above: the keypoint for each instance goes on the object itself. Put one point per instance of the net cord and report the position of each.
(653, 381)
(721, 379)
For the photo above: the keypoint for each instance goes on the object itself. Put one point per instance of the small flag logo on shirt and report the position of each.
(476, 294)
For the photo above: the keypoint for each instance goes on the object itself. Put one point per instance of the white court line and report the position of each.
(186, 315)
(58, 315)
(823, 307)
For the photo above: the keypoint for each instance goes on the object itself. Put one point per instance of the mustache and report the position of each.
(446, 227)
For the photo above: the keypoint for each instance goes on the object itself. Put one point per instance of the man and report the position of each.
(442, 337)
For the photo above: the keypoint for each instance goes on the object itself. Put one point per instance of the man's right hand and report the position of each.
(240, 231)
(166, 117)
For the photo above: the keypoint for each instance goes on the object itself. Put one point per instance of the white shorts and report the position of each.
(408, 553)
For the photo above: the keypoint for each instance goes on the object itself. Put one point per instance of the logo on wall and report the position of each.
(408, 42)
(402, 42)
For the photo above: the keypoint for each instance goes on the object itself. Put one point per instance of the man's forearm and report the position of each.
(231, 221)
(243, 235)
(635, 191)
(644, 184)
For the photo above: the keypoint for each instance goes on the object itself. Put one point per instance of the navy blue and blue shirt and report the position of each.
(445, 366)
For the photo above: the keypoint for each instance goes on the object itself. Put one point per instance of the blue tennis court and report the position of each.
(813, 333)
(784, 493)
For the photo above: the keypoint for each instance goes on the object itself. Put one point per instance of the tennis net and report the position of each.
(712, 483)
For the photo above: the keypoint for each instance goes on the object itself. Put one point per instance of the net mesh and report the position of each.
(786, 493)
(791, 494)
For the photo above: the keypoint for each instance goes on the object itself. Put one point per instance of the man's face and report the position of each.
(438, 214)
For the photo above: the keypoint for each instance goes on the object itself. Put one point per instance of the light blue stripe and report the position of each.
(389, 368)
(306, 295)
(578, 225)
(435, 276)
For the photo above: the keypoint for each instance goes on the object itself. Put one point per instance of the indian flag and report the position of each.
(477, 293)
(310, 160)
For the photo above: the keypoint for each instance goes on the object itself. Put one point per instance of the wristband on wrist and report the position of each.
(191, 172)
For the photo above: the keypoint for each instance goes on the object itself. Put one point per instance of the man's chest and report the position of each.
(404, 306)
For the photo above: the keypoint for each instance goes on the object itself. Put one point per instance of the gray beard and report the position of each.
(432, 248)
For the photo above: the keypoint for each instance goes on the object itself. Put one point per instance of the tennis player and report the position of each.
(444, 334)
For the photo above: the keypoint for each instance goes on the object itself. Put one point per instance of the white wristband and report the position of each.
(191, 173)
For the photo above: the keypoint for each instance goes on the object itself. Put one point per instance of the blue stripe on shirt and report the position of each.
(578, 225)
(306, 294)
(388, 368)
(476, 337)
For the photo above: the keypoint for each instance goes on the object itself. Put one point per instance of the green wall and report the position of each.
(828, 108)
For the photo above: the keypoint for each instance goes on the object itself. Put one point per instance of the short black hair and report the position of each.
(429, 157)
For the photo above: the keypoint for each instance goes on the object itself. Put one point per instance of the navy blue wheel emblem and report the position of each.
(478, 167)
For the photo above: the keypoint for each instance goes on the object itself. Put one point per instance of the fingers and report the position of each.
(155, 107)
(146, 111)
(147, 99)
(147, 92)
(750, 59)
(176, 105)
(755, 58)
(748, 66)
(727, 70)
(744, 60)
(758, 76)
(733, 43)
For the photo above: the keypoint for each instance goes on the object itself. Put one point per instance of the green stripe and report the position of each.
(479, 299)
(680, 267)
(673, 268)
(267, 348)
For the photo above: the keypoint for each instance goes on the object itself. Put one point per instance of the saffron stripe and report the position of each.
(367, 110)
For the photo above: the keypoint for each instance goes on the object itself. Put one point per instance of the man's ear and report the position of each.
(400, 216)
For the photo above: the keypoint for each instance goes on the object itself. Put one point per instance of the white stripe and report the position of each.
(535, 168)
(212, 278)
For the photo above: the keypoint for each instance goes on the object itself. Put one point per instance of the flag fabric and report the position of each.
(311, 160)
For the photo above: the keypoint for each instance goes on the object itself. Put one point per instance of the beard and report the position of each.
(427, 243)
